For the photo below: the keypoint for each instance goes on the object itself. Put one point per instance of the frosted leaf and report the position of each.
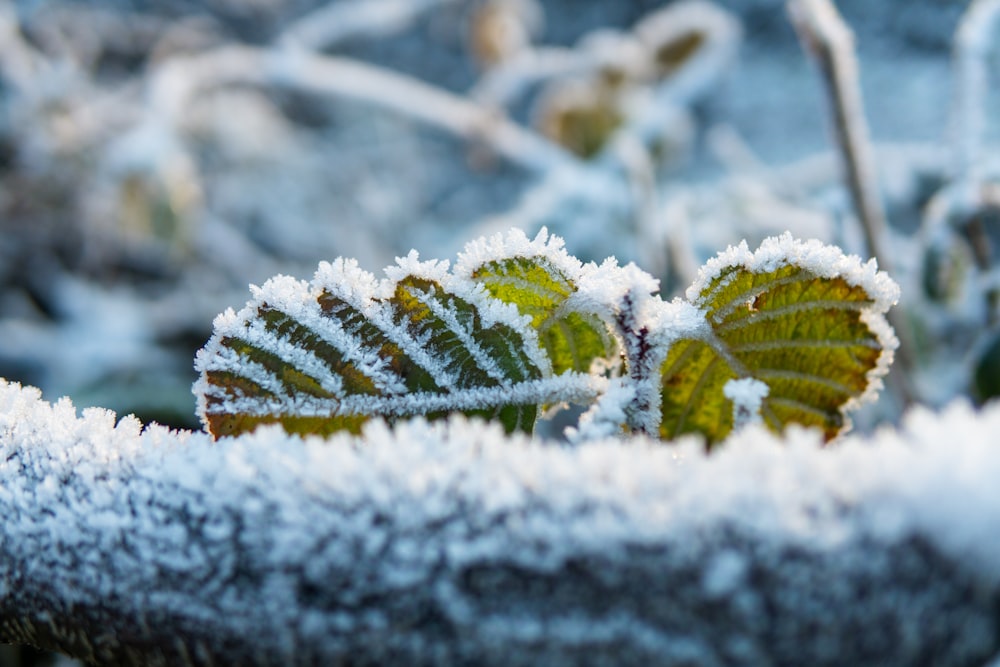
(820, 259)
(542, 282)
(328, 355)
(799, 317)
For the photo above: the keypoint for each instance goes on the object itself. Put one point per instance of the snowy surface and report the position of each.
(386, 545)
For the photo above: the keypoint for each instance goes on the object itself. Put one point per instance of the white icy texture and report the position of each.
(298, 300)
(824, 260)
(603, 288)
(515, 243)
(492, 311)
(747, 395)
(66, 478)
(599, 287)
(569, 387)
(604, 419)
(102, 510)
(360, 289)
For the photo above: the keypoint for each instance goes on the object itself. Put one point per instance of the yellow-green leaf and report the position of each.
(540, 280)
(798, 316)
(329, 356)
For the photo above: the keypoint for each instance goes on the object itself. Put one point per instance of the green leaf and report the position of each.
(799, 317)
(529, 276)
(327, 357)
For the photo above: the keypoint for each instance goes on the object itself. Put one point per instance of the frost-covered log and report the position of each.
(453, 544)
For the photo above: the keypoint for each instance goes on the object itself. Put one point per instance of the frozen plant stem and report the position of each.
(638, 350)
(830, 41)
(972, 50)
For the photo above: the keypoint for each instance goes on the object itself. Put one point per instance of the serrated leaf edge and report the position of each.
(344, 279)
(822, 261)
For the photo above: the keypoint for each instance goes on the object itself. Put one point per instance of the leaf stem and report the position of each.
(638, 355)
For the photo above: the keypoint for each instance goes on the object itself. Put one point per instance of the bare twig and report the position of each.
(20, 64)
(500, 86)
(826, 37)
(956, 211)
(973, 45)
(830, 41)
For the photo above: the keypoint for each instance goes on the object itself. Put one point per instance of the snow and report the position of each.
(935, 476)
(604, 419)
(599, 288)
(291, 512)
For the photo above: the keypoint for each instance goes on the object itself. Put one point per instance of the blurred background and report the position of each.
(158, 157)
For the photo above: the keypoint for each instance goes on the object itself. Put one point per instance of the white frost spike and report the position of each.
(436, 270)
(513, 244)
(346, 279)
(602, 288)
(747, 395)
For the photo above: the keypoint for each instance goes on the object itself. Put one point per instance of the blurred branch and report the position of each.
(828, 39)
(176, 84)
(20, 63)
(501, 85)
(974, 42)
(337, 22)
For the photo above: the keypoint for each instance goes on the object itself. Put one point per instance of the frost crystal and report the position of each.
(823, 260)
(747, 394)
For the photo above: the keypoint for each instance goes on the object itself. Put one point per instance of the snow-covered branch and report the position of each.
(830, 41)
(451, 544)
(178, 82)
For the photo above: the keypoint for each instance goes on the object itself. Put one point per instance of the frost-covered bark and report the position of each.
(449, 544)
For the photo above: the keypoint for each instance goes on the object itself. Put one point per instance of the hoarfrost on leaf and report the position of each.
(747, 395)
(800, 317)
(520, 325)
